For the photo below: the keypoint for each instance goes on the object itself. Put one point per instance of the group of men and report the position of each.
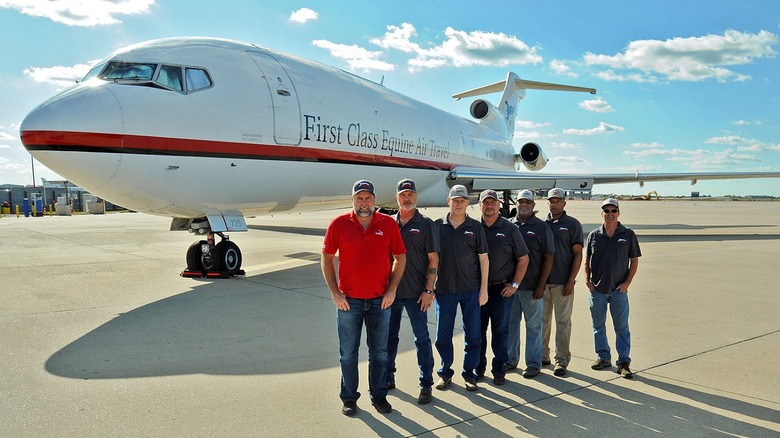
(497, 271)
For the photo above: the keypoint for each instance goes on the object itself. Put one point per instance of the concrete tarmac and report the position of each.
(100, 336)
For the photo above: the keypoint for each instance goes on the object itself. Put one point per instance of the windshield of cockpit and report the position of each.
(178, 78)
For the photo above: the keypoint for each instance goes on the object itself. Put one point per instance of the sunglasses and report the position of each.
(610, 210)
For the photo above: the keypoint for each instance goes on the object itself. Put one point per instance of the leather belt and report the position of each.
(493, 283)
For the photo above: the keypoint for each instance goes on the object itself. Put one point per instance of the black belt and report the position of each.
(493, 283)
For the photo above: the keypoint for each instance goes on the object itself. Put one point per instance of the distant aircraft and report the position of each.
(208, 130)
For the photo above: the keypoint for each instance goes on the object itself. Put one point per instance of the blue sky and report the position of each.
(682, 85)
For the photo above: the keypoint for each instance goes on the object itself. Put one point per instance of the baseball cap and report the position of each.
(404, 185)
(556, 193)
(362, 185)
(610, 201)
(488, 194)
(459, 191)
(525, 194)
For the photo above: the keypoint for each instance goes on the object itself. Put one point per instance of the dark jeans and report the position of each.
(350, 325)
(422, 340)
(446, 311)
(495, 312)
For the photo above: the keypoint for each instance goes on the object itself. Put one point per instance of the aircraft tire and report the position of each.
(194, 254)
(228, 257)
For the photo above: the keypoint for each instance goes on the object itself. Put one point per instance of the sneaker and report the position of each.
(499, 379)
(625, 371)
(600, 364)
(530, 372)
(511, 366)
(382, 406)
(425, 396)
(471, 384)
(546, 362)
(349, 409)
(443, 383)
(559, 370)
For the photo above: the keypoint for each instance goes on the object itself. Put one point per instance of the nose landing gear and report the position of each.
(205, 259)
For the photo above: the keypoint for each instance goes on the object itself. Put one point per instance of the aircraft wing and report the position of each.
(480, 179)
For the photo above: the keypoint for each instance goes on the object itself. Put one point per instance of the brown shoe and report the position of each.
(600, 364)
(625, 371)
(471, 384)
(559, 370)
(443, 383)
(425, 396)
(499, 379)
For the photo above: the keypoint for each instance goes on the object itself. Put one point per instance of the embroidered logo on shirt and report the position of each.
(563, 229)
(530, 233)
(500, 235)
(468, 233)
(414, 230)
(379, 233)
(622, 240)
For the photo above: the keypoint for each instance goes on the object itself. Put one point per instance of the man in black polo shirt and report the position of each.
(415, 292)
(611, 261)
(463, 274)
(528, 300)
(559, 291)
(508, 257)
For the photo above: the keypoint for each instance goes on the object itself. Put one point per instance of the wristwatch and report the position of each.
(429, 292)
(515, 285)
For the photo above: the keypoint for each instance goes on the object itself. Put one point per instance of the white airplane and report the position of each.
(209, 130)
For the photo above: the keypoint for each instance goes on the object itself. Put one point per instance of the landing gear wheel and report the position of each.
(228, 257)
(194, 254)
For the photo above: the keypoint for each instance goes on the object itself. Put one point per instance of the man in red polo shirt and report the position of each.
(364, 290)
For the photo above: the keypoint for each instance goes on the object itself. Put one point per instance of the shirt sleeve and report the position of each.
(518, 244)
(331, 243)
(432, 242)
(549, 240)
(634, 250)
(482, 246)
(577, 236)
(396, 242)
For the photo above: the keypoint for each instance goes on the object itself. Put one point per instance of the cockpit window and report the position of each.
(93, 72)
(197, 79)
(128, 71)
(169, 77)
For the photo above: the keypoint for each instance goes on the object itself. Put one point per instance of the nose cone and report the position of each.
(64, 133)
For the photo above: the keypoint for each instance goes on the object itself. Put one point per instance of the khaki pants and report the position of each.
(562, 307)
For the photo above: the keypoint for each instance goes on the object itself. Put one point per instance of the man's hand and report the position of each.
(508, 291)
(483, 296)
(388, 298)
(340, 299)
(425, 301)
(568, 288)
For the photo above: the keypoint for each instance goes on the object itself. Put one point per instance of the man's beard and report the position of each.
(363, 212)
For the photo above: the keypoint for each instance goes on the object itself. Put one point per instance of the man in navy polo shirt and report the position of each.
(364, 290)
(559, 291)
(508, 257)
(528, 302)
(463, 274)
(611, 262)
(415, 292)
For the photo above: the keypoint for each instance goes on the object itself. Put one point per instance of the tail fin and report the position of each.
(514, 91)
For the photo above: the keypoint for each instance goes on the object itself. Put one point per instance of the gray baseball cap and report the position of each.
(459, 191)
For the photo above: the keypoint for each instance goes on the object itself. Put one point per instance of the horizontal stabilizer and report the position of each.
(522, 84)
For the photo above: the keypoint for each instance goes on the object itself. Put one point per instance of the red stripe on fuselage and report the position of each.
(140, 144)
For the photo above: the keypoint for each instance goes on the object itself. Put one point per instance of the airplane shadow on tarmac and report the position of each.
(279, 322)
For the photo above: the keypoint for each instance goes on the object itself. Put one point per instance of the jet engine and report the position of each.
(531, 156)
(488, 115)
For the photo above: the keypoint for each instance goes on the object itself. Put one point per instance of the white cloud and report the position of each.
(399, 38)
(745, 144)
(79, 13)
(561, 68)
(4, 136)
(652, 145)
(62, 76)
(5, 146)
(686, 59)
(747, 122)
(6, 164)
(357, 57)
(603, 128)
(569, 159)
(697, 159)
(596, 105)
(527, 124)
(303, 15)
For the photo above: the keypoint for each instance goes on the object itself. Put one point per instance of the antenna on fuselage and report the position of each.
(382, 82)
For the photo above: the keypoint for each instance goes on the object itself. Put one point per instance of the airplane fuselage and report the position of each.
(272, 132)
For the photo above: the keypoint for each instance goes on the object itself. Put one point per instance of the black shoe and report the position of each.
(559, 370)
(625, 371)
(499, 379)
(349, 409)
(530, 372)
(443, 383)
(511, 366)
(382, 406)
(471, 384)
(546, 362)
(390, 385)
(425, 396)
(600, 364)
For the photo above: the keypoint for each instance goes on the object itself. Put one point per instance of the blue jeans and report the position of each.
(524, 304)
(618, 308)
(350, 325)
(446, 311)
(495, 312)
(422, 339)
